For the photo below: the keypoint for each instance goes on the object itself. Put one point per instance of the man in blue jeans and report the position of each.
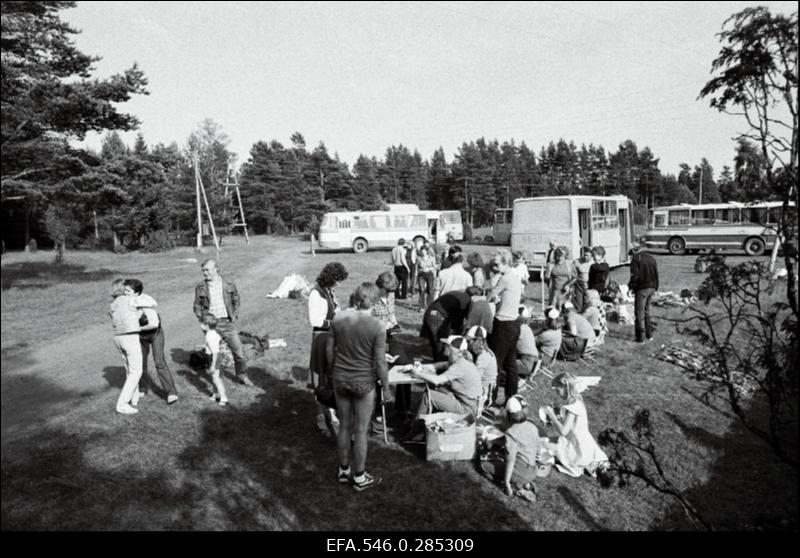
(643, 284)
(220, 298)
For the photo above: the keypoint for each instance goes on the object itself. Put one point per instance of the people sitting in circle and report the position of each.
(527, 353)
(517, 473)
(454, 278)
(548, 342)
(484, 359)
(456, 386)
(595, 312)
(577, 451)
(578, 333)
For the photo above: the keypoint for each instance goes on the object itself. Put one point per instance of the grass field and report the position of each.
(68, 462)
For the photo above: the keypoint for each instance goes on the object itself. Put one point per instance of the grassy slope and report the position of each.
(261, 465)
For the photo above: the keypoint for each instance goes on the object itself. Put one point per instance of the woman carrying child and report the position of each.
(576, 449)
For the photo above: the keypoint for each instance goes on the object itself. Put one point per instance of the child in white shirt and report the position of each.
(208, 324)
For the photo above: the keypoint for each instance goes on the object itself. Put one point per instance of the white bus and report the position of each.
(687, 228)
(448, 223)
(362, 230)
(574, 222)
(501, 228)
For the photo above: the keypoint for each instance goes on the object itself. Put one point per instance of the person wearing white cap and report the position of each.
(576, 328)
(484, 357)
(527, 353)
(522, 445)
(458, 387)
(548, 342)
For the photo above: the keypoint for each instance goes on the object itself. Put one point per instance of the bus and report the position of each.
(574, 222)
(449, 222)
(501, 228)
(362, 230)
(688, 228)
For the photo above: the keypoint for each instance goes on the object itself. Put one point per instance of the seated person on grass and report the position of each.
(527, 353)
(456, 389)
(595, 312)
(485, 360)
(548, 342)
(518, 472)
(576, 328)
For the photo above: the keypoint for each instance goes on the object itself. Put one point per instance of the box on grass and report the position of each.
(449, 436)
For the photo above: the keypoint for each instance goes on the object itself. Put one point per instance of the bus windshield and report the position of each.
(451, 216)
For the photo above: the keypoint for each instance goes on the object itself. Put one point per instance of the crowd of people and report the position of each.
(476, 322)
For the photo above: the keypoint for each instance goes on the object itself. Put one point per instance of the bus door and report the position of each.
(433, 229)
(624, 235)
(585, 228)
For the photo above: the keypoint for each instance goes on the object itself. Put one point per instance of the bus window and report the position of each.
(418, 221)
(726, 216)
(757, 215)
(328, 222)
(379, 221)
(400, 222)
(660, 220)
(360, 223)
(702, 217)
(679, 217)
(451, 216)
(344, 223)
(604, 215)
(775, 215)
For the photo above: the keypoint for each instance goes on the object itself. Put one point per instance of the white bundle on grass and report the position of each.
(291, 283)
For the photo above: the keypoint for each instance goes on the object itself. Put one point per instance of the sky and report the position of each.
(363, 76)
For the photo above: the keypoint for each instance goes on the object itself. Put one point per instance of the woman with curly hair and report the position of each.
(322, 307)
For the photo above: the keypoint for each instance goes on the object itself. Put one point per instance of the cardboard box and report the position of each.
(449, 442)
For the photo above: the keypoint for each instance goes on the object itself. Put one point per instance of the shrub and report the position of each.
(158, 241)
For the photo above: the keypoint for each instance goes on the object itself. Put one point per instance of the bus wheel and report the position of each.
(676, 245)
(360, 246)
(754, 246)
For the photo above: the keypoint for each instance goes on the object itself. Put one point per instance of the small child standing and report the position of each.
(208, 324)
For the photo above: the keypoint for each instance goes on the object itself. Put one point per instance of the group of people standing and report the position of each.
(138, 329)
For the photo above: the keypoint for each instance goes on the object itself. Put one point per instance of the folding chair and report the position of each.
(590, 350)
(545, 365)
(485, 397)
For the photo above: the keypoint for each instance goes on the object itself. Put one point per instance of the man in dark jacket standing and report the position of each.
(220, 298)
(643, 284)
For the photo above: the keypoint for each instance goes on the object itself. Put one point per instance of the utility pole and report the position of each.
(199, 211)
(701, 183)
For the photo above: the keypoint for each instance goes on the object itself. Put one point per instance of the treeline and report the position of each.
(143, 196)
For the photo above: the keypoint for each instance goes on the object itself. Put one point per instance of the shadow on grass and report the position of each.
(249, 468)
(748, 487)
(40, 275)
(115, 376)
(198, 379)
(580, 509)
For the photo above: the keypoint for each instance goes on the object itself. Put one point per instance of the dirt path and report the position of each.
(47, 384)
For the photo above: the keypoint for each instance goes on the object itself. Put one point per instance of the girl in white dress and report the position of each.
(576, 451)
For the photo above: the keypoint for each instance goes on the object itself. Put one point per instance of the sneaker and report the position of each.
(343, 476)
(368, 482)
(223, 402)
(649, 339)
(172, 399)
(127, 410)
(215, 398)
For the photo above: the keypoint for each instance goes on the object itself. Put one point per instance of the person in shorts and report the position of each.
(357, 349)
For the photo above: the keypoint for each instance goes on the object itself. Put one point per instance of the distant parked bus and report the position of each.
(574, 222)
(736, 226)
(501, 229)
(362, 230)
(450, 221)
